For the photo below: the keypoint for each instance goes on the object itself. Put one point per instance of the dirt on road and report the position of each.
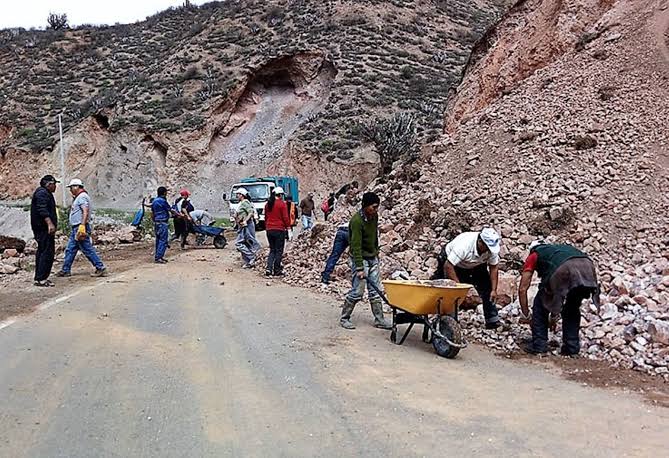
(582, 370)
(19, 296)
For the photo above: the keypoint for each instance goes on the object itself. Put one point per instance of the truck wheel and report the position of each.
(450, 328)
(220, 242)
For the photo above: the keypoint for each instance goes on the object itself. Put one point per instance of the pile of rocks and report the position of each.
(572, 154)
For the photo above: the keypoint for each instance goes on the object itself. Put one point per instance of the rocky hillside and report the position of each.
(558, 131)
(200, 96)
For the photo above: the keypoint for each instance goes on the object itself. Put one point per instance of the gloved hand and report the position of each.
(81, 232)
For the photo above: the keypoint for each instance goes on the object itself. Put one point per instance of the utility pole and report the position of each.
(62, 159)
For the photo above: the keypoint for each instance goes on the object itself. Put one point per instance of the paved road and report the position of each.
(166, 361)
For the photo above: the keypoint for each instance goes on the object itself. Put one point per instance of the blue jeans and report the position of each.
(372, 275)
(340, 245)
(307, 222)
(86, 247)
(162, 234)
(246, 242)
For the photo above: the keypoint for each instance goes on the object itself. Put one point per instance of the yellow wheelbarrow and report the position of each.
(432, 303)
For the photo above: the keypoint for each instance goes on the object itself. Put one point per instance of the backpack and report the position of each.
(325, 206)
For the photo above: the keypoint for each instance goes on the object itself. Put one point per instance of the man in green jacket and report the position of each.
(364, 250)
(567, 277)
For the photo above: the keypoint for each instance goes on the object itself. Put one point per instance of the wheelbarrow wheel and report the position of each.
(220, 242)
(450, 328)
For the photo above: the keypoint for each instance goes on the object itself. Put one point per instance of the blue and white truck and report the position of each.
(259, 191)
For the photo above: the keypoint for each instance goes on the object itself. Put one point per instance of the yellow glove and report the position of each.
(81, 232)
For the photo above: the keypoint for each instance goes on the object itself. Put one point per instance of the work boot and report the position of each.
(377, 310)
(346, 311)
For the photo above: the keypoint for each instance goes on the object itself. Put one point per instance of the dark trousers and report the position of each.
(340, 245)
(277, 242)
(187, 228)
(180, 228)
(571, 322)
(46, 250)
(479, 276)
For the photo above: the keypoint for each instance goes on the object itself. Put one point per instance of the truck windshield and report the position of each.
(258, 192)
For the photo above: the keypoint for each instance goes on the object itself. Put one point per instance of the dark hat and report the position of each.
(370, 198)
(48, 179)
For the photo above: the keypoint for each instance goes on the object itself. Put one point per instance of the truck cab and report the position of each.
(259, 191)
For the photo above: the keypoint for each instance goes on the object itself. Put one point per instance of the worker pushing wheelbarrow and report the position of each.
(432, 303)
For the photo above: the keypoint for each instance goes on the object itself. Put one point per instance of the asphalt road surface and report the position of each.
(192, 359)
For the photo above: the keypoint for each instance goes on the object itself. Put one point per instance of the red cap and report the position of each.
(184, 192)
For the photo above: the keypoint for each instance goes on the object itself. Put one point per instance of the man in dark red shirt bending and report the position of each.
(567, 277)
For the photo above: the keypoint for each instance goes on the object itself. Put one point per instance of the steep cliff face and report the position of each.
(201, 96)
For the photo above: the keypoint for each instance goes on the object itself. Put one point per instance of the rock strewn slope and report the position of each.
(574, 151)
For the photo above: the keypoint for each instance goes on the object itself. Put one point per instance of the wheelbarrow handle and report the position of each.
(379, 292)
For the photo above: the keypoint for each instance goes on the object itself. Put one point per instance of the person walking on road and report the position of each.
(44, 221)
(473, 257)
(246, 243)
(567, 277)
(81, 215)
(277, 224)
(161, 212)
(364, 237)
(307, 207)
(340, 245)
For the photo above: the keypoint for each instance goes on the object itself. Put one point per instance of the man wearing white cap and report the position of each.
(246, 242)
(80, 218)
(472, 257)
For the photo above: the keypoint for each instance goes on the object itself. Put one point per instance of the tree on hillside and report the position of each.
(395, 138)
(57, 21)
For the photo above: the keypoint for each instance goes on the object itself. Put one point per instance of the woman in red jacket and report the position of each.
(277, 224)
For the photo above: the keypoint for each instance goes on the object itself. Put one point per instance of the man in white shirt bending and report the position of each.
(473, 257)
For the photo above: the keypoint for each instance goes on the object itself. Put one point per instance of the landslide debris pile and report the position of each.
(575, 151)
(172, 71)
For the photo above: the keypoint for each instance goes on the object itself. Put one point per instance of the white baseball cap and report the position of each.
(242, 191)
(278, 190)
(491, 238)
(75, 182)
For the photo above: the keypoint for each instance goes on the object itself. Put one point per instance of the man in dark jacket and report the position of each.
(567, 277)
(44, 220)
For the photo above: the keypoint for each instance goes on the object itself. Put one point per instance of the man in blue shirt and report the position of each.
(161, 211)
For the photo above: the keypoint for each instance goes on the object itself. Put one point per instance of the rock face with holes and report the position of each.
(202, 96)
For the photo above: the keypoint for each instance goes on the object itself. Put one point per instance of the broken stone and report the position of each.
(659, 331)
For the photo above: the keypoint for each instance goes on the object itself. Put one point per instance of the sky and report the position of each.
(33, 13)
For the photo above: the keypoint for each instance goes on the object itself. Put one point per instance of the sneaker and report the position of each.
(63, 274)
(346, 324)
(161, 261)
(279, 274)
(44, 283)
(100, 272)
(493, 325)
(325, 281)
(268, 273)
(249, 265)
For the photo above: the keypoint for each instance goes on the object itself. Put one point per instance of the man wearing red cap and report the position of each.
(182, 222)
